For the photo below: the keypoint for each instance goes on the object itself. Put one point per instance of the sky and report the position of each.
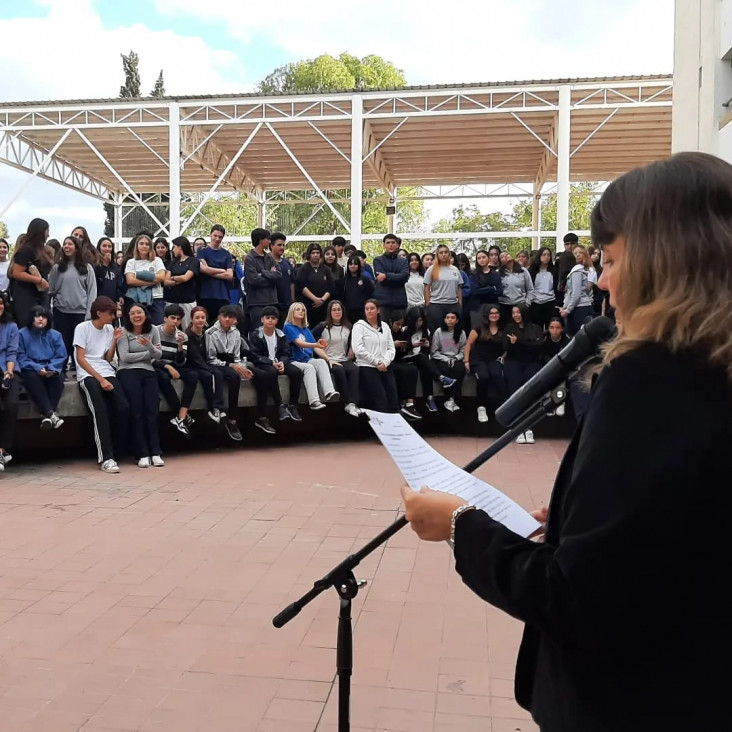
(70, 49)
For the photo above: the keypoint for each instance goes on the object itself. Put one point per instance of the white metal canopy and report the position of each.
(463, 138)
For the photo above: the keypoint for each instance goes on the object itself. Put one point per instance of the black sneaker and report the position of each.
(46, 423)
(189, 420)
(233, 430)
(409, 411)
(283, 413)
(294, 413)
(264, 425)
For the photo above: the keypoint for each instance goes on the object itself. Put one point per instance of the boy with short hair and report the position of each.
(223, 353)
(270, 355)
(172, 367)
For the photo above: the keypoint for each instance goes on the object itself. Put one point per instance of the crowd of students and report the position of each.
(128, 326)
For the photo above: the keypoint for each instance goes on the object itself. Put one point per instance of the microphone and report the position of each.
(582, 347)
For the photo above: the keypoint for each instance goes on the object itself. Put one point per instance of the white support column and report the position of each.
(356, 168)
(535, 215)
(174, 169)
(117, 202)
(563, 155)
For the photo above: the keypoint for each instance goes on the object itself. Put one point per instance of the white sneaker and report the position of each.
(143, 462)
(352, 409)
(521, 439)
(214, 415)
(451, 406)
(317, 404)
(56, 421)
(560, 410)
(482, 414)
(530, 437)
(158, 462)
(110, 466)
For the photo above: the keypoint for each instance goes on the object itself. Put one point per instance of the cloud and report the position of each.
(463, 41)
(68, 54)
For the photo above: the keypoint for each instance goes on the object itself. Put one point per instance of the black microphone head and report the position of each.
(599, 330)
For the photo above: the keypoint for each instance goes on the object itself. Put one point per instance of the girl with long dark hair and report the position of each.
(373, 346)
(417, 339)
(136, 351)
(29, 272)
(544, 300)
(405, 371)
(523, 342)
(518, 289)
(41, 361)
(162, 250)
(330, 259)
(73, 287)
(486, 285)
(357, 289)
(183, 275)
(110, 282)
(448, 354)
(415, 283)
(89, 253)
(483, 358)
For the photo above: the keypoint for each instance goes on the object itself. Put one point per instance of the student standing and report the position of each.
(261, 273)
(144, 274)
(373, 346)
(330, 259)
(357, 289)
(181, 284)
(391, 273)
(217, 272)
(41, 361)
(137, 349)
(315, 283)
(486, 285)
(443, 289)
(73, 288)
(270, 354)
(544, 277)
(415, 283)
(304, 348)
(29, 273)
(110, 282)
(578, 292)
(95, 342)
(285, 284)
(4, 265)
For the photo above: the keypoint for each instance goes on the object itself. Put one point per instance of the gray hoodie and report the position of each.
(220, 341)
(72, 292)
(579, 289)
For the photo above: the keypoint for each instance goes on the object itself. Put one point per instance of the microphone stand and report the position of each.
(342, 579)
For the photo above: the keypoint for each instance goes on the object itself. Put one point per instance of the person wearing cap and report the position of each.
(182, 280)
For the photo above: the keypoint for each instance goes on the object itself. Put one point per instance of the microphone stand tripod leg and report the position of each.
(347, 590)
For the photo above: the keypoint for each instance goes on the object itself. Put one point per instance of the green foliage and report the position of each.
(131, 67)
(470, 218)
(158, 90)
(326, 73)
(3, 230)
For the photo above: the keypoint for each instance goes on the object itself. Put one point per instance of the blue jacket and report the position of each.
(8, 344)
(39, 349)
(486, 287)
(392, 291)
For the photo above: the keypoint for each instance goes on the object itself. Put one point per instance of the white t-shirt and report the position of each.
(144, 265)
(271, 345)
(96, 343)
(4, 281)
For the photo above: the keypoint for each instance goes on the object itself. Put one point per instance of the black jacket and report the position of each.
(392, 291)
(261, 275)
(627, 603)
(485, 288)
(259, 353)
(356, 290)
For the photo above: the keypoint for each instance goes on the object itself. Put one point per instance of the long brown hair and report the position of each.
(670, 214)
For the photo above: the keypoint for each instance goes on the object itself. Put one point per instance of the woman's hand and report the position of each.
(430, 512)
(563, 312)
(118, 333)
(143, 341)
(541, 515)
(8, 375)
(513, 339)
(381, 367)
(172, 371)
(43, 285)
(467, 367)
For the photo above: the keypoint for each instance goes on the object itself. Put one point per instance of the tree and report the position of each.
(131, 67)
(326, 73)
(3, 230)
(159, 89)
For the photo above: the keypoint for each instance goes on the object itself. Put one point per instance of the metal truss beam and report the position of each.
(21, 154)
(548, 155)
(199, 147)
(374, 158)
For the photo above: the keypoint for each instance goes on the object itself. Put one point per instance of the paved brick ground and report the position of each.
(144, 601)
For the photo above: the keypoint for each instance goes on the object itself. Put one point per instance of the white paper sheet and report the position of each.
(422, 465)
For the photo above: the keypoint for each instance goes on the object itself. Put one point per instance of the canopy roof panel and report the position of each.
(413, 136)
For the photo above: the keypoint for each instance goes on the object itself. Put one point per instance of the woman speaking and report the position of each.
(627, 599)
